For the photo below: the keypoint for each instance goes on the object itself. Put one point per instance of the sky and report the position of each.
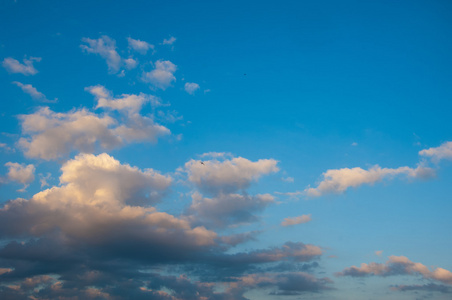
(225, 150)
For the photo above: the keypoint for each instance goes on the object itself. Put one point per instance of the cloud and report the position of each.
(106, 48)
(126, 102)
(398, 265)
(296, 220)
(141, 47)
(53, 135)
(292, 195)
(169, 41)
(288, 179)
(33, 92)
(442, 152)
(339, 180)
(227, 209)
(21, 173)
(163, 74)
(14, 66)
(191, 87)
(431, 287)
(229, 175)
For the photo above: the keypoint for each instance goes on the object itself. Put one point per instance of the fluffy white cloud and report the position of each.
(101, 201)
(106, 48)
(126, 102)
(33, 92)
(437, 153)
(21, 173)
(169, 41)
(398, 265)
(163, 74)
(53, 135)
(229, 175)
(191, 87)
(139, 46)
(296, 220)
(339, 180)
(14, 66)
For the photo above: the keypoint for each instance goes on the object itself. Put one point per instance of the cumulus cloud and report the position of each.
(14, 66)
(33, 92)
(21, 173)
(227, 209)
(398, 265)
(339, 180)
(227, 175)
(191, 87)
(438, 153)
(53, 135)
(296, 220)
(106, 48)
(163, 74)
(141, 47)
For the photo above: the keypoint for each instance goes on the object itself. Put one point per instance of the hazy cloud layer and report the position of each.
(14, 66)
(339, 180)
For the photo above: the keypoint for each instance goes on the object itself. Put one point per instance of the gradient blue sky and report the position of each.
(338, 111)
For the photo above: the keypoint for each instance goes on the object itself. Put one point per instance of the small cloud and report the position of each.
(438, 153)
(292, 195)
(296, 220)
(288, 179)
(141, 47)
(14, 66)
(378, 252)
(163, 74)
(354, 144)
(34, 93)
(206, 91)
(21, 173)
(169, 41)
(191, 87)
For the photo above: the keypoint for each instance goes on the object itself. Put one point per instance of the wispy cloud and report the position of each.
(34, 93)
(14, 66)
(191, 87)
(162, 76)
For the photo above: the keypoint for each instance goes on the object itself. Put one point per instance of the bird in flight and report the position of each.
(202, 163)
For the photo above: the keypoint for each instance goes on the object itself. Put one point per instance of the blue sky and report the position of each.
(225, 149)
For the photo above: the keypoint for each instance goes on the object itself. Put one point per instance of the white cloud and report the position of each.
(339, 180)
(141, 47)
(191, 87)
(100, 202)
(437, 153)
(291, 195)
(53, 135)
(169, 41)
(163, 74)
(106, 48)
(14, 66)
(398, 265)
(21, 173)
(229, 175)
(33, 92)
(296, 220)
(126, 102)
(288, 179)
